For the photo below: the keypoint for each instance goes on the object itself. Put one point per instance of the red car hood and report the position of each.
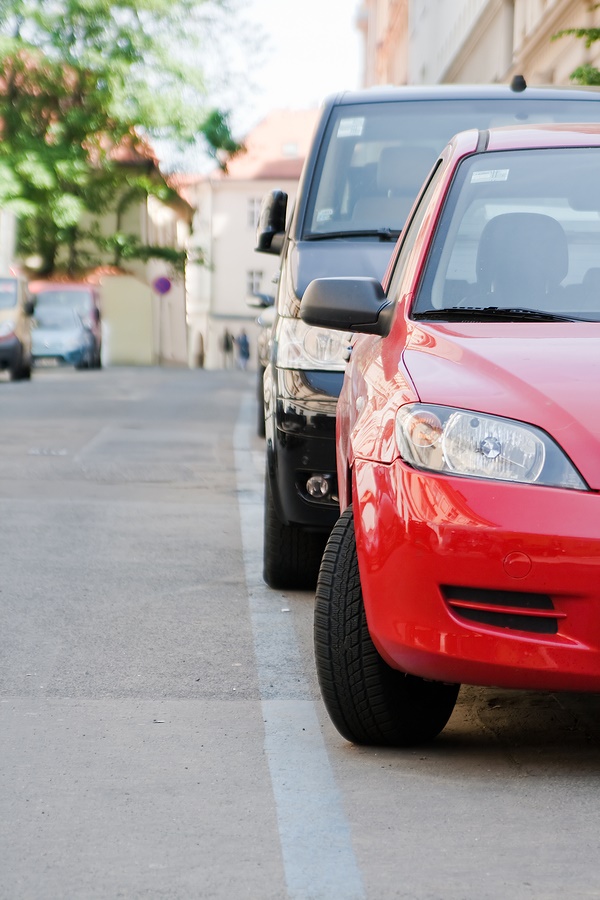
(546, 374)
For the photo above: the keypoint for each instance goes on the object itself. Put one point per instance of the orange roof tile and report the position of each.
(276, 147)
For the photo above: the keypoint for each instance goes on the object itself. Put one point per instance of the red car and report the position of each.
(468, 442)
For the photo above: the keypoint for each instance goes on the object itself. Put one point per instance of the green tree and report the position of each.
(585, 74)
(84, 84)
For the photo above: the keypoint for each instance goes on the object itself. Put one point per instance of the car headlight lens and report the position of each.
(301, 346)
(462, 442)
(7, 328)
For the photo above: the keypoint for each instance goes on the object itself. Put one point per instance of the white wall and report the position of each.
(217, 291)
(8, 231)
(128, 322)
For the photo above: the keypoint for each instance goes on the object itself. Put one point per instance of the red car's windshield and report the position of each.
(520, 231)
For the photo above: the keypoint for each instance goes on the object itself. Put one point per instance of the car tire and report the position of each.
(291, 555)
(367, 700)
(21, 370)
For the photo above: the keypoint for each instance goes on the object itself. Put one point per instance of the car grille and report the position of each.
(504, 609)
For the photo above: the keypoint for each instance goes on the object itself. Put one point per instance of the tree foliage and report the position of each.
(84, 84)
(585, 74)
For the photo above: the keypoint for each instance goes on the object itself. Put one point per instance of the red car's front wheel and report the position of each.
(367, 700)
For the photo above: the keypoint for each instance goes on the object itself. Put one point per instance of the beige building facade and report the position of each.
(474, 41)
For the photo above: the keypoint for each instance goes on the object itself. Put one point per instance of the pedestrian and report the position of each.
(243, 348)
(227, 347)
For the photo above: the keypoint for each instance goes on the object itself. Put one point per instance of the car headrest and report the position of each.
(403, 169)
(592, 278)
(522, 247)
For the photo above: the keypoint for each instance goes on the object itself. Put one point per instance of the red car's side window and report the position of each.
(395, 275)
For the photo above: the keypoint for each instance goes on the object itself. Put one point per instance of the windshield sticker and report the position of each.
(351, 127)
(489, 175)
(324, 215)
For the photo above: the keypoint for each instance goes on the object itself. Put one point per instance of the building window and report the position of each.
(253, 211)
(253, 282)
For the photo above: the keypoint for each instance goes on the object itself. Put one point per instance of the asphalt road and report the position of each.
(161, 730)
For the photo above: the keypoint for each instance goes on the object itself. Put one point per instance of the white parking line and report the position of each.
(315, 838)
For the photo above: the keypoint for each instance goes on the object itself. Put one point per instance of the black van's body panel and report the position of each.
(308, 260)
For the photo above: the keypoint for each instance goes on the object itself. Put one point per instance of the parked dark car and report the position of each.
(371, 151)
(468, 443)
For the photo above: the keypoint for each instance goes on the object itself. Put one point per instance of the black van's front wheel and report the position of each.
(291, 555)
(367, 700)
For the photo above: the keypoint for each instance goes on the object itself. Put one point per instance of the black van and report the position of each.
(371, 151)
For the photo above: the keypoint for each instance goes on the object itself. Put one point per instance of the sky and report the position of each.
(311, 48)
(273, 54)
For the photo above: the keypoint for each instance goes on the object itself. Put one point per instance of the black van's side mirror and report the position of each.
(29, 305)
(270, 231)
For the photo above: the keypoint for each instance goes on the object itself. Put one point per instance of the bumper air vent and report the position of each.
(504, 609)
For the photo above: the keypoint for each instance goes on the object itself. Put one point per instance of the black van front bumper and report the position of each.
(300, 432)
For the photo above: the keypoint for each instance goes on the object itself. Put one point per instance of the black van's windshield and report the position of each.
(376, 156)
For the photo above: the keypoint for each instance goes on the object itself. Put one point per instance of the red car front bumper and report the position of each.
(480, 582)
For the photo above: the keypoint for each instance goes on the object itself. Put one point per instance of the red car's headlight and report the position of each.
(477, 445)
